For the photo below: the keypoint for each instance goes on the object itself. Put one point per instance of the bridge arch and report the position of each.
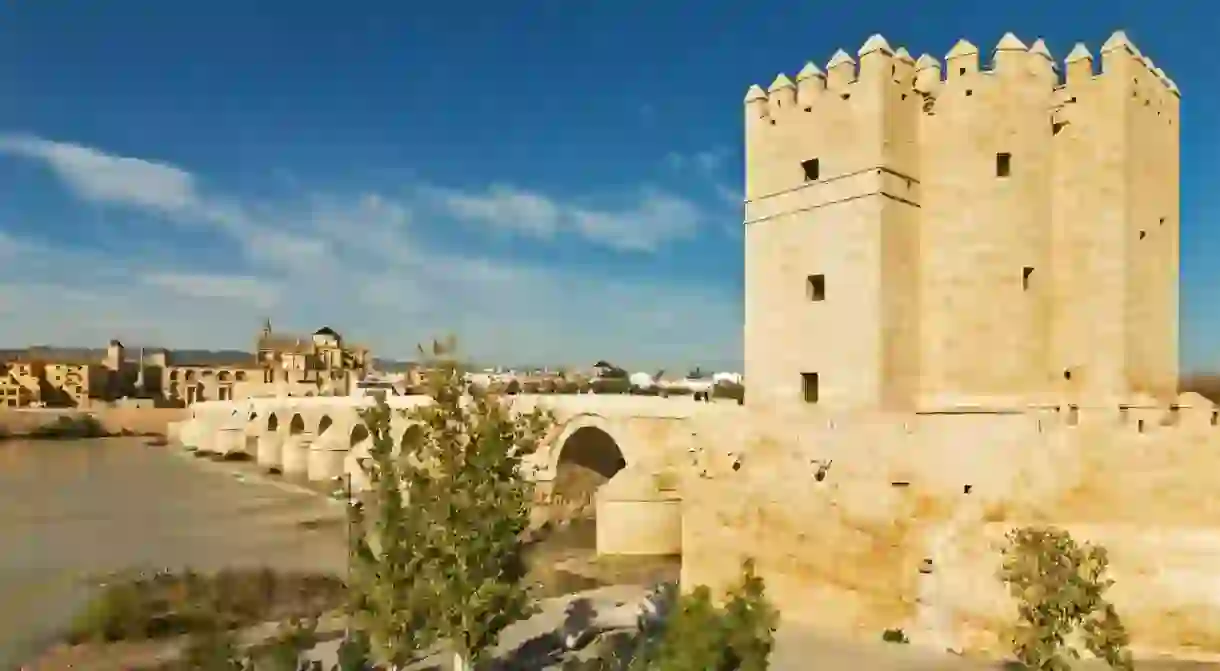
(359, 433)
(584, 456)
(296, 425)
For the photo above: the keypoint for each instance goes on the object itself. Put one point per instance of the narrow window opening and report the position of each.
(893, 70)
(809, 387)
(961, 71)
(1073, 417)
(1140, 426)
(1143, 234)
(966, 489)
(808, 109)
(1003, 164)
(1026, 273)
(845, 96)
(969, 92)
(1072, 99)
(815, 288)
(1057, 127)
(904, 96)
(1162, 223)
(1067, 373)
(1215, 417)
(812, 169)
(900, 483)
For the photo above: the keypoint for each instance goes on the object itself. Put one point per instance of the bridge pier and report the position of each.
(294, 455)
(326, 457)
(635, 517)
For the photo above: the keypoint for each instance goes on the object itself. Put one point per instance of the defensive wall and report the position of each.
(967, 230)
(961, 396)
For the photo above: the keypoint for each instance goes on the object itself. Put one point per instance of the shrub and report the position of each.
(697, 635)
(69, 427)
(165, 604)
(444, 560)
(567, 387)
(1060, 589)
(611, 385)
(729, 390)
(895, 636)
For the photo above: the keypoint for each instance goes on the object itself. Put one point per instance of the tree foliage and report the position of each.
(443, 560)
(696, 634)
(1060, 587)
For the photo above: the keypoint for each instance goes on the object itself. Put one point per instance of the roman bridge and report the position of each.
(631, 451)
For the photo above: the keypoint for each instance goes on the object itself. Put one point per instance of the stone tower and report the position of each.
(928, 236)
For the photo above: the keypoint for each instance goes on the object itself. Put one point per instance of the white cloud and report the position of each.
(100, 177)
(250, 290)
(356, 262)
(657, 219)
(507, 208)
(654, 220)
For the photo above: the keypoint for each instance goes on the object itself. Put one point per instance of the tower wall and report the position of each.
(831, 255)
(985, 228)
(978, 232)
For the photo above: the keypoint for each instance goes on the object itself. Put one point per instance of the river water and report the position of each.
(71, 510)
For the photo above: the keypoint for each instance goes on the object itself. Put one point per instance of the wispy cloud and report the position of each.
(506, 208)
(361, 262)
(653, 219)
(254, 291)
(100, 177)
(707, 163)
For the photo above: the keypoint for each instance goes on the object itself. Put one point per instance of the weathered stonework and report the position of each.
(921, 235)
(943, 415)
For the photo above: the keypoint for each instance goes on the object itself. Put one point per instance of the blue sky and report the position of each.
(556, 181)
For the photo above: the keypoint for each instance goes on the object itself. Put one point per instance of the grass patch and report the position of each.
(170, 604)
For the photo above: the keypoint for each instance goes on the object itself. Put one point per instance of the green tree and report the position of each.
(1060, 586)
(694, 634)
(443, 560)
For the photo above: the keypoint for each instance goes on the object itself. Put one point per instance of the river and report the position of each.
(71, 510)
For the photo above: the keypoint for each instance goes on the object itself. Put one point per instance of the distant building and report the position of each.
(284, 364)
(321, 364)
(64, 379)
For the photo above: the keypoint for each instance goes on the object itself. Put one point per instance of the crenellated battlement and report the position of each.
(991, 222)
(877, 61)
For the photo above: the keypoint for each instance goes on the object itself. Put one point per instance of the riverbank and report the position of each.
(80, 510)
(70, 423)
